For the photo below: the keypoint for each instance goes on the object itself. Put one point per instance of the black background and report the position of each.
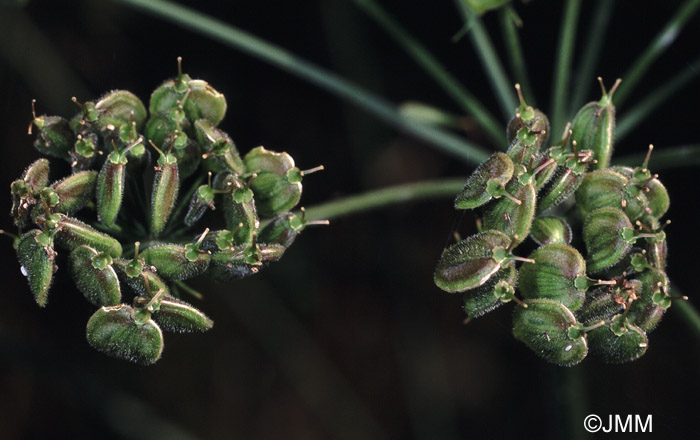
(346, 337)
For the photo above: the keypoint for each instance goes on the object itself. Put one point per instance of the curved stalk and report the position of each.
(279, 57)
(689, 314)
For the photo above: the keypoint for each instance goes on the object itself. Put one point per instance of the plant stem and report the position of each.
(641, 111)
(689, 314)
(585, 74)
(385, 197)
(279, 57)
(501, 85)
(672, 157)
(515, 52)
(562, 68)
(658, 45)
(436, 70)
(187, 288)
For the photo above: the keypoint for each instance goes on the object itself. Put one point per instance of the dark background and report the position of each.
(346, 337)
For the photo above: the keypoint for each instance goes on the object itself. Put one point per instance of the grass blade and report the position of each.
(562, 68)
(651, 102)
(658, 45)
(436, 70)
(515, 52)
(585, 73)
(279, 57)
(501, 85)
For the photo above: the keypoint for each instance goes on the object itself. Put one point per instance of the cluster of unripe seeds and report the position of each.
(122, 220)
(605, 303)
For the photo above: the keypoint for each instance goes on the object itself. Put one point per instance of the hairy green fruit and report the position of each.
(606, 235)
(55, 137)
(594, 127)
(498, 290)
(618, 342)
(240, 262)
(513, 219)
(73, 233)
(119, 332)
(95, 277)
(608, 188)
(556, 274)
(544, 326)
(220, 151)
(173, 262)
(178, 316)
(166, 186)
(486, 182)
(618, 293)
(239, 209)
(115, 198)
(121, 107)
(471, 262)
(36, 255)
(549, 229)
(75, 192)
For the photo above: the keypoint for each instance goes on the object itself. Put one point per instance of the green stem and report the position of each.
(641, 111)
(585, 74)
(187, 288)
(385, 197)
(672, 157)
(658, 45)
(436, 70)
(501, 85)
(575, 400)
(279, 57)
(515, 52)
(562, 68)
(689, 314)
